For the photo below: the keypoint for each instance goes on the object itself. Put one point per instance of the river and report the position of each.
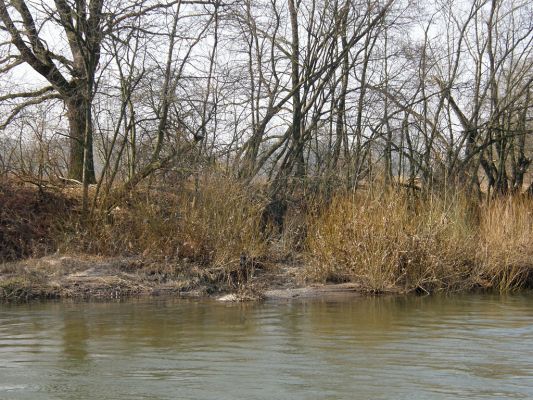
(441, 347)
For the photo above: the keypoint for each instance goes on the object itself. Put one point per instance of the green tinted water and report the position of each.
(466, 347)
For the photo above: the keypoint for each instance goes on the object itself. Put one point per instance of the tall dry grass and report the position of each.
(393, 240)
(212, 223)
(381, 238)
(506, 242)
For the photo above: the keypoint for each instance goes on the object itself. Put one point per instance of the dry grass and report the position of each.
(212, 225)
(392, 240)
(506, 243)
(381, 239)
(24, 286)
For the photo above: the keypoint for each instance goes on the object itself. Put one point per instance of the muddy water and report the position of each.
(468, 347)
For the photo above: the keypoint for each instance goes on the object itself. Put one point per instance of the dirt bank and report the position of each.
(90, 277)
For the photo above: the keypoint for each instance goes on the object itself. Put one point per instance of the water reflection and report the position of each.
(75, 336)
(387, 347)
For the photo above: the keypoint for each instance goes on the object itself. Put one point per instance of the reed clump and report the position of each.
(394, 240)
(505, 254)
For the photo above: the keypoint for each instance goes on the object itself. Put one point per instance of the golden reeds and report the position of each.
(506, 242)
(425, 243)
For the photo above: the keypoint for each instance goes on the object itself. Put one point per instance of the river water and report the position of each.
(459, 347)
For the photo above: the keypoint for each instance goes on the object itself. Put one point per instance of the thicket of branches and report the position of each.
(332, 92)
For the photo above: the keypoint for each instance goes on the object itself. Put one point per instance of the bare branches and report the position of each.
(20, 107)
(38, 57)
(283, 91)
(36, 93)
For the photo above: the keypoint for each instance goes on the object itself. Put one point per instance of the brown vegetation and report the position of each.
(212, 235)
(28, 219)
(424, 244)
(506, 242)
(385, 241)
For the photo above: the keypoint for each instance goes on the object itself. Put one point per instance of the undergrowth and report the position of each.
(213, 224)
(390, 239)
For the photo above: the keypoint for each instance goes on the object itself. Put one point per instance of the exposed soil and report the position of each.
(27, 219)
(90, 277)
(87, 277)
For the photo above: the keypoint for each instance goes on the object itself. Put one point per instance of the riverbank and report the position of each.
(221, 237)
(90, 277)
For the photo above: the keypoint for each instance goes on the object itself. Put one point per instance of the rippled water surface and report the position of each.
(468, 347)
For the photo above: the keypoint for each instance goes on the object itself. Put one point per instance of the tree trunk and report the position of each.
(298, 147)
(77, 118)
(340, 125)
